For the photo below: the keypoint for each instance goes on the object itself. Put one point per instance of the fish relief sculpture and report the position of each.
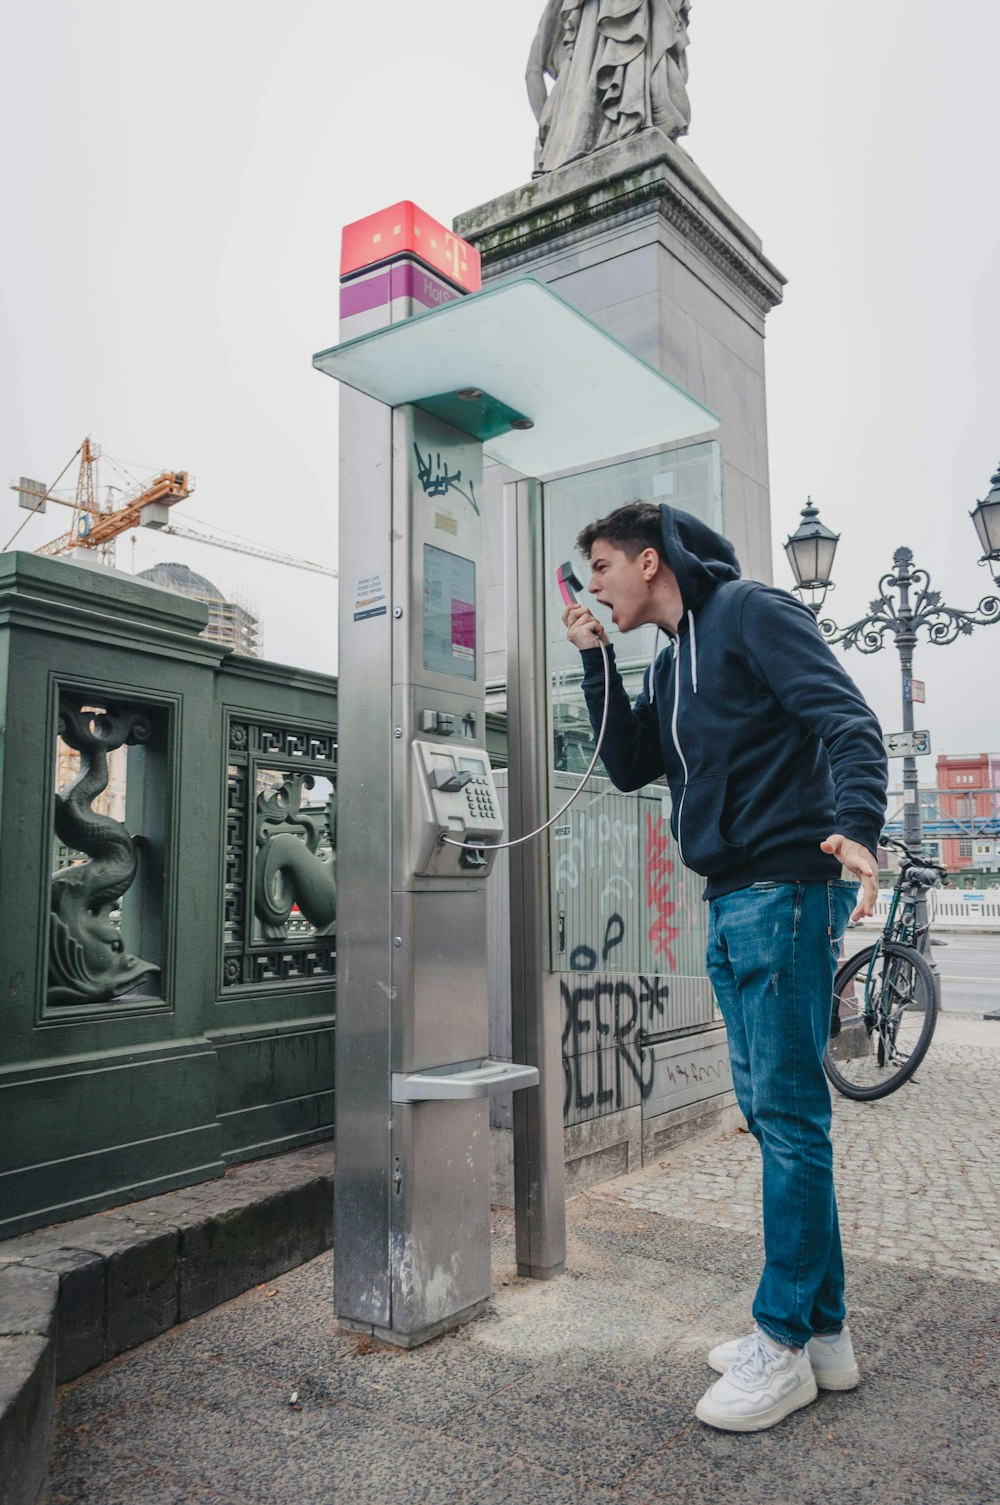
(88, 962)
(289, 870)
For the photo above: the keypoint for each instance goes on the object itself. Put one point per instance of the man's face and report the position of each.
(622, 583)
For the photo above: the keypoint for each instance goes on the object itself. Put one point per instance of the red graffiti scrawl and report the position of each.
(659, 871)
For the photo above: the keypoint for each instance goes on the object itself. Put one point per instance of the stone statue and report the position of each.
(619, 66)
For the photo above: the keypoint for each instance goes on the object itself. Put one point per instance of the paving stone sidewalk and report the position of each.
(918, 1173)
(583, 1389)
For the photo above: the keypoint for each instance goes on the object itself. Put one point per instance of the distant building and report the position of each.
(968, 785)
(229, 622)
(894, 820)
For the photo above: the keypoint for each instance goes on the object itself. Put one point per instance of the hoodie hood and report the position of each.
(699, 557)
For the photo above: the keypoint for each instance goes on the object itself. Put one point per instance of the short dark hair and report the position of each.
(631, 528)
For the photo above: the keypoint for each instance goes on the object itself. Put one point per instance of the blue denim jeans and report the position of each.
(772, 952)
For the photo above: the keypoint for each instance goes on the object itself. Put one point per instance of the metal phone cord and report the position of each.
(500, 846)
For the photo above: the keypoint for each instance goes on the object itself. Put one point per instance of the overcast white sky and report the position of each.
(176, 176)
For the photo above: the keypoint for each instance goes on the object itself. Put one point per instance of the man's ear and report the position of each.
(650, 563)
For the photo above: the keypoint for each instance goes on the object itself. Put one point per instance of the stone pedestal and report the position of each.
(637, 237)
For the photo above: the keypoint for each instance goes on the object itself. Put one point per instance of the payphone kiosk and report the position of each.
(434, 373)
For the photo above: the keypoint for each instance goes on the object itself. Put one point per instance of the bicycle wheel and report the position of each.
(881, 1025)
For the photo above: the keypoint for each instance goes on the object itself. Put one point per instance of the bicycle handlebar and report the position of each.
(921, 871)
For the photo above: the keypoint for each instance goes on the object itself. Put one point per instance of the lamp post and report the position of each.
(810, 551)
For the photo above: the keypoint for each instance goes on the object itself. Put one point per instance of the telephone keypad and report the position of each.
(480, 800)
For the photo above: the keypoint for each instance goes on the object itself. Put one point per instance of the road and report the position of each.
(969, 967)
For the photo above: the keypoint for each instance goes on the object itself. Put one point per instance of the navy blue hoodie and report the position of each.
(767, 744)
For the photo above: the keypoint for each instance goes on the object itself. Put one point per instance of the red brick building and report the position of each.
(967, 779)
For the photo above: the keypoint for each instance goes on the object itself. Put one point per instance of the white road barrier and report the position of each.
(950, 909)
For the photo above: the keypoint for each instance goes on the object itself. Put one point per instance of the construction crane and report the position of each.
(95, 527)
(145, 505)
(244, 546)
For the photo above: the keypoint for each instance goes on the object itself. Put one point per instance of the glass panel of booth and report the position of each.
(622, 902)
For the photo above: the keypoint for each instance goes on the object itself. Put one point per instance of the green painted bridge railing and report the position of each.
(167, 978)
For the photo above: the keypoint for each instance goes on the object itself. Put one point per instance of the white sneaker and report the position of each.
(832, 1358)
(762, 1384)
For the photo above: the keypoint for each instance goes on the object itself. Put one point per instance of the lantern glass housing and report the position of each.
(811, 549)
(986, 516)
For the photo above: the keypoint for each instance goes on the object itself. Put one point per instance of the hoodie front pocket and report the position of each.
(700, 828)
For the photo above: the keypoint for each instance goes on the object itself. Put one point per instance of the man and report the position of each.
(777, 778)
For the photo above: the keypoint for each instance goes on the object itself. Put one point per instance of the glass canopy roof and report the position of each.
(518, 367)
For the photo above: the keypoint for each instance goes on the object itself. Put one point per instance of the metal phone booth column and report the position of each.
(434, 375)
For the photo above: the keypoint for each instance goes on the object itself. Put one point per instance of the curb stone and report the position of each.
(77, 1294)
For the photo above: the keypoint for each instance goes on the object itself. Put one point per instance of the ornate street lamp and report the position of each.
(810, 550)
(986, 516)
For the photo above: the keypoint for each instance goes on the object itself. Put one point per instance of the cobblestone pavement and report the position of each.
(918, 1172)
(583, 1388)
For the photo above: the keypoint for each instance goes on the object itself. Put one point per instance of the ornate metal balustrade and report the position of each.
(280, 864)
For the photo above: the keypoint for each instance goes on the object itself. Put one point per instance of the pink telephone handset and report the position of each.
(569, 585)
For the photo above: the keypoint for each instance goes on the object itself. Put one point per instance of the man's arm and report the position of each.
(631, 750)
(789, 655)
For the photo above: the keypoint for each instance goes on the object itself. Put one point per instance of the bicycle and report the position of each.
(878, 1040)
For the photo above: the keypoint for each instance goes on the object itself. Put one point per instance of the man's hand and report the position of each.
(582, 627)
(859, 861)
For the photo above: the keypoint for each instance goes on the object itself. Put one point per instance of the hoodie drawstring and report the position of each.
(693, 657)
(675, 643)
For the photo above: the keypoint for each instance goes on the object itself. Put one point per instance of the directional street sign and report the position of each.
(907, 744)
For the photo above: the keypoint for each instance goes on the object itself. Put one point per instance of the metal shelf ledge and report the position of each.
(467, 1079)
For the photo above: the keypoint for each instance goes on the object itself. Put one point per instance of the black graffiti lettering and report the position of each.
(614, 934)
(574, 1028)
(626, 1018)
(602, 989)
(601, 1021)
(625, 993)
(436, 479)
(603, 1028)
(639, 1065)
(583, 958)
(653, 995)
(715, 1071)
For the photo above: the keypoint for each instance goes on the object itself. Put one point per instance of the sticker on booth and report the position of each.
(370, 597)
